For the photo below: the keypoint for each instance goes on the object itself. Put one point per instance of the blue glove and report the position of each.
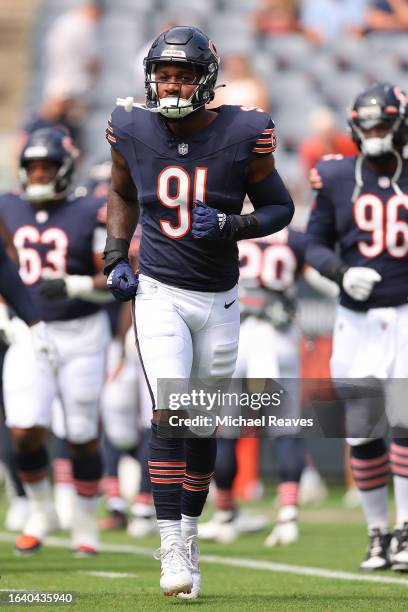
(210, 223)
(123, 282)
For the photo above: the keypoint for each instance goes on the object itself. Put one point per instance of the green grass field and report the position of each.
(332, 539)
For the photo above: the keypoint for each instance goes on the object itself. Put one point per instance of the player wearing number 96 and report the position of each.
(362, 206)
(189, 169)
(59, 241)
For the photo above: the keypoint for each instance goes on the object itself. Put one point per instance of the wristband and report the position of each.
(116, 249)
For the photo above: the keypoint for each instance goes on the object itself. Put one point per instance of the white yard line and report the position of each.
(109, 574)
(283, 568)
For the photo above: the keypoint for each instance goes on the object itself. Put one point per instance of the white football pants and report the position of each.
(185, 334)
(30, 386)
(373, 344)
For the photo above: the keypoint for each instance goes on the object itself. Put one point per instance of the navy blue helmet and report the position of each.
(53, 144)
(182, 44)
(380, 104)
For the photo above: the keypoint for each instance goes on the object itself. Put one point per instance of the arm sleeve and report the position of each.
(14, 291)
(273, 206)
(322, 238)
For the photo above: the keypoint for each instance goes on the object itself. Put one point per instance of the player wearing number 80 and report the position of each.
(362, 205)
(189, 169)
(59, 240)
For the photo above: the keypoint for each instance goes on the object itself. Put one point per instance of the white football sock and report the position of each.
(170, 532)
(87, 505)
(401, 500)
(375, 507)
(39, 493)
(189, 525)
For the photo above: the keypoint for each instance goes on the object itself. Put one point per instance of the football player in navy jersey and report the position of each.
(188, 169)
(362, 207)
(59, 242)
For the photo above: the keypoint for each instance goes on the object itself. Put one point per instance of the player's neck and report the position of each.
(192, 124)
(385, 166)
(47, 205)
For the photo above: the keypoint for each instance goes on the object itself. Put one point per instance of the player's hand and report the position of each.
(209, 223)
(315, 179)
(359, 282)
(43, 344)
(123, 282)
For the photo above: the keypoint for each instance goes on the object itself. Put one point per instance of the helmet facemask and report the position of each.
(383, 106)
(51, 145)
(381, 145)
(176, 107)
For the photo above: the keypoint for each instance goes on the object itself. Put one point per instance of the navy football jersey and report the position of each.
(170, 173)
(371, 232)
(51, 243)
(269, 268)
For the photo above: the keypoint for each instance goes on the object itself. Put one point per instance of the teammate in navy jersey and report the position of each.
(59, 243)
(362, 207)
(269, 347)
(188, 168)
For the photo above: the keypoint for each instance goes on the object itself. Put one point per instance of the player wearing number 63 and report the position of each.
(362, 206)
(188, 168)
(60, 242)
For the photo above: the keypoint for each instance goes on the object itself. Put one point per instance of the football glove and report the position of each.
(210, 223)
(358, 282)
(43, 344)
(123, 282)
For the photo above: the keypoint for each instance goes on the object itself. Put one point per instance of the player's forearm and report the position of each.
(15, 292)
(122, 216)
(273, 205)
(263, 222)
(324, 260)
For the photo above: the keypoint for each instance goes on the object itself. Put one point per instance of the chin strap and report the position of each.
(393, 180)
(397, 174)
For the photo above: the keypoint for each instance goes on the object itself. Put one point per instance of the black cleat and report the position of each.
(377, 552)
(399, 549)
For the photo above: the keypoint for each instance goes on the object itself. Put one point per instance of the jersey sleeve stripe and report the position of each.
(269, 150)
(264, 140)
(110, 137)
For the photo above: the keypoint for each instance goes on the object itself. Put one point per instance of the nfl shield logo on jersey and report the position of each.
(183, 148)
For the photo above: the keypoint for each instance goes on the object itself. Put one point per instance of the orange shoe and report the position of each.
(27, 544)
(85, 551)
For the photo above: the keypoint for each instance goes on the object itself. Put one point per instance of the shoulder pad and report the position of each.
(335, 167)
(9, 198)
(249, 121)
(125, 122)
